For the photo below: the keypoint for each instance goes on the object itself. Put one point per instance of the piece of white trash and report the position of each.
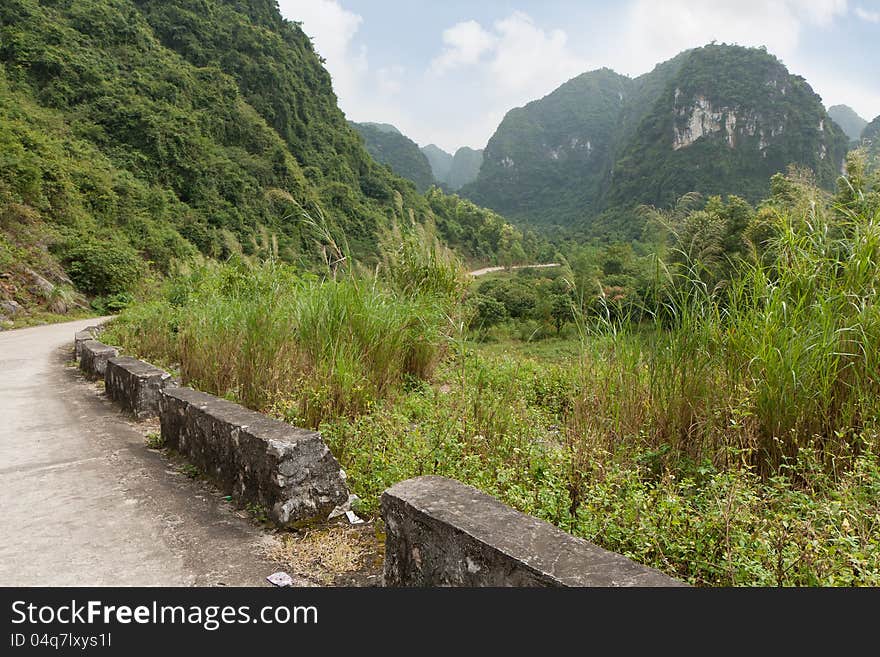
(353, 518)
(280, 579)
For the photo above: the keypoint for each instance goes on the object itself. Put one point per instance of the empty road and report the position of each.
(85, 503)
(491, 270)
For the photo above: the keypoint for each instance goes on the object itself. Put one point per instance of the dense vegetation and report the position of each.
(871, 141)
(723, 429)
(715, 120)
(402, 154)
(139, 134)
(700, 394)
(872, 130)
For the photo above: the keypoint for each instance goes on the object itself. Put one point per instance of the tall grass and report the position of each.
(784, 355)
(276, 339)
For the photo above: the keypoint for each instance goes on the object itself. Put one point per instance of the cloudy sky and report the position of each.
(446, 71)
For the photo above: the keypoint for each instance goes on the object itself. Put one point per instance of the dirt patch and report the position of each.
(334, 555)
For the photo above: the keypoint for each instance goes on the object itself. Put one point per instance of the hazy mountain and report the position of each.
(454, 171)
(465, 167)
(382, 127)
(440, 160)
(389, 146)
(846, 117)
(717, 120)
(872, 130)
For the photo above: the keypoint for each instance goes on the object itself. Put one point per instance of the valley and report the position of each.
(643, 312)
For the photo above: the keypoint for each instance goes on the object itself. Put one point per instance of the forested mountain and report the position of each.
(387, 145)
(136, 132)
(440, 161)
(465, 167)
(382, 127)
(454, 171)
(872, 130)
(548, 159)
(846, 117)
(871, 140)
(716, 120)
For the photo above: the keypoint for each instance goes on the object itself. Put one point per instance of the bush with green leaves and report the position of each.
(103, 268)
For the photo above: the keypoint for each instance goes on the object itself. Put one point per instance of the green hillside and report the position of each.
(387, 145)
(717, 120)
(465, 167)
(547, 160)
(139, 133)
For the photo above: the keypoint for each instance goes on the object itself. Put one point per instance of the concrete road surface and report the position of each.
(85, 503)
(491, 270)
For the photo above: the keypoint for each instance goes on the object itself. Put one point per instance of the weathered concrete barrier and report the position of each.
(136, 385)
(287, 470)
(88, 333)
(441, 532)
(94, 356)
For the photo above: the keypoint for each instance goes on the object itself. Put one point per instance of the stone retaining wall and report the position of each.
(135, 385)
(94, 356)
(287, 470)
(440, 532)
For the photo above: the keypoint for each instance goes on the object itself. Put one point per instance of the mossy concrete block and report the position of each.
(440, 532)
(88, 333)
(94, 356)
(135, 385)
(287, 470)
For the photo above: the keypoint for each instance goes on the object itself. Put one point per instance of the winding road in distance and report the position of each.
(490, 270)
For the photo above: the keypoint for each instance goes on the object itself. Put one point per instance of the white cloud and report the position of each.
(482, 70)
(364, 94)
(529, 60)
(390, 80)
(516, 57)
(657, 31)
(332, 29)
(465, 43)
(496, 68)
(870, 16)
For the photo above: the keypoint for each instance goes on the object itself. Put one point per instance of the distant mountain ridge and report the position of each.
(870, 138)
(718, 120)
(454, 171)
(847, 118)
(440, 161)
(387, 145)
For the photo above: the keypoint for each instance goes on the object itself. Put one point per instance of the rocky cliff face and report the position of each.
(549, 157)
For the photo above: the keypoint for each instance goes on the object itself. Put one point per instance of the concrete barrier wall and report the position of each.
(135, 385)
(94, 356)
(88, 333)
(440, 532)
(289, 471)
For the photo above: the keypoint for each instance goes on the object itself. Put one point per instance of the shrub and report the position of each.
(103, 268)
